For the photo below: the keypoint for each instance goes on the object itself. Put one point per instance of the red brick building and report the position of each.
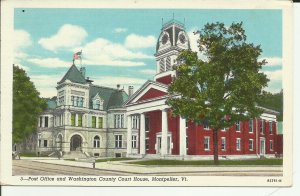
(165, 136)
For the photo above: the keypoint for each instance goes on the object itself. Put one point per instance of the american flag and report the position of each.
(77, 55)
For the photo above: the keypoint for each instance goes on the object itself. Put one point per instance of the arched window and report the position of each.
(96, 141)
(161, 65)
(168, 64)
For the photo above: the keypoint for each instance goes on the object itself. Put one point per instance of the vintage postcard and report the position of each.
(144, 93)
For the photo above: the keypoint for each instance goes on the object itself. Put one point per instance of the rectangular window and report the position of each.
(147, 123)
(271, 145)
(238, 144)
(46, 121)
(147, 143)
(119, 120)
(79, 120)
(187, 142)
(93, 121)
(41, 121)
(251, 144)
(72, 101)
(100, 122)
(206, 143)
(223, 140)
(118, 141)
(238, 126)
(73, 119)
(261, 125)
(271, 127)
(251, 126)
(81, 101)
(45, 143)
(135, 122)
(133, 141)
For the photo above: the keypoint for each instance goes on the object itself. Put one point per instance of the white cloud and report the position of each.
(22, 39)
(124, 82)
(119, 30)
(112, 81)
(138, 41)
(67, 37)
(274, 75)
(275, 83)
(272, 61)
(194, 44)
(46, 84)
(104, 52)
(148, 71)
(49, 62)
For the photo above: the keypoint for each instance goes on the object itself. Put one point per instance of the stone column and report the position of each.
(97, 122)
(43, 121)
(142, 135)
(76, 120)
(164, 132)
(129, 135)
(182, 136)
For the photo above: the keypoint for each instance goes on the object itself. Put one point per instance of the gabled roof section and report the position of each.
(112, 98)
(74, 75)
(158, 89)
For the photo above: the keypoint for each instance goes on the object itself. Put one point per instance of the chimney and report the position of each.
(82, 71)
(130, 91)
(118, 86)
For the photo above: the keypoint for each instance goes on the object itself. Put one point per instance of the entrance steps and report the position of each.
(75, 155)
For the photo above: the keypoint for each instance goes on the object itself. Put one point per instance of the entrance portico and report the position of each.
(163, 139)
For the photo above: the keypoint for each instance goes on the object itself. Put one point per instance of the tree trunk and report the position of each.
(215, 140)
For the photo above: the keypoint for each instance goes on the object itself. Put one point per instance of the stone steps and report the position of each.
(75, 155)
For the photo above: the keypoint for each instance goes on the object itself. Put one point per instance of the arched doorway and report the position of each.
(76, 142)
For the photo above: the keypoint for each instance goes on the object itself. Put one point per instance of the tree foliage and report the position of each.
(27, 105)
(223, 88)
(272, 101)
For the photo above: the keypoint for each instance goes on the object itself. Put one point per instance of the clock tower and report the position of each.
(172, 40)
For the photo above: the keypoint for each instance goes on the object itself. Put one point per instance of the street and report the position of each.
(28, 167)
(75, 168)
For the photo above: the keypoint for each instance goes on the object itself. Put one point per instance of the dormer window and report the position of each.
(97, 103)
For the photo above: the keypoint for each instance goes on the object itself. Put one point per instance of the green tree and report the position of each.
(272, 101)
(27, 105)
(223, 88)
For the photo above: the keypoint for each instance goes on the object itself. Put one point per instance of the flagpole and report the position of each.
(81, 59)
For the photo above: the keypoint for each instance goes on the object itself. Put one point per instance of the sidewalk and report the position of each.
(123, 166)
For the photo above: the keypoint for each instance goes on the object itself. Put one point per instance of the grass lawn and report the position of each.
(31, 155)
(114, 159)
(210, 162)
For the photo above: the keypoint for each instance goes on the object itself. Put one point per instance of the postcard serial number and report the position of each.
(273, 180)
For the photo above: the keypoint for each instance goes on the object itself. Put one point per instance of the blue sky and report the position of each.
(118, 44)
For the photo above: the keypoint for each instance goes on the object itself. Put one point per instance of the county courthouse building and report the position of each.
(86, 119)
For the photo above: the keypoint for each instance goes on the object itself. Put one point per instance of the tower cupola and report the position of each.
(172, 40)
